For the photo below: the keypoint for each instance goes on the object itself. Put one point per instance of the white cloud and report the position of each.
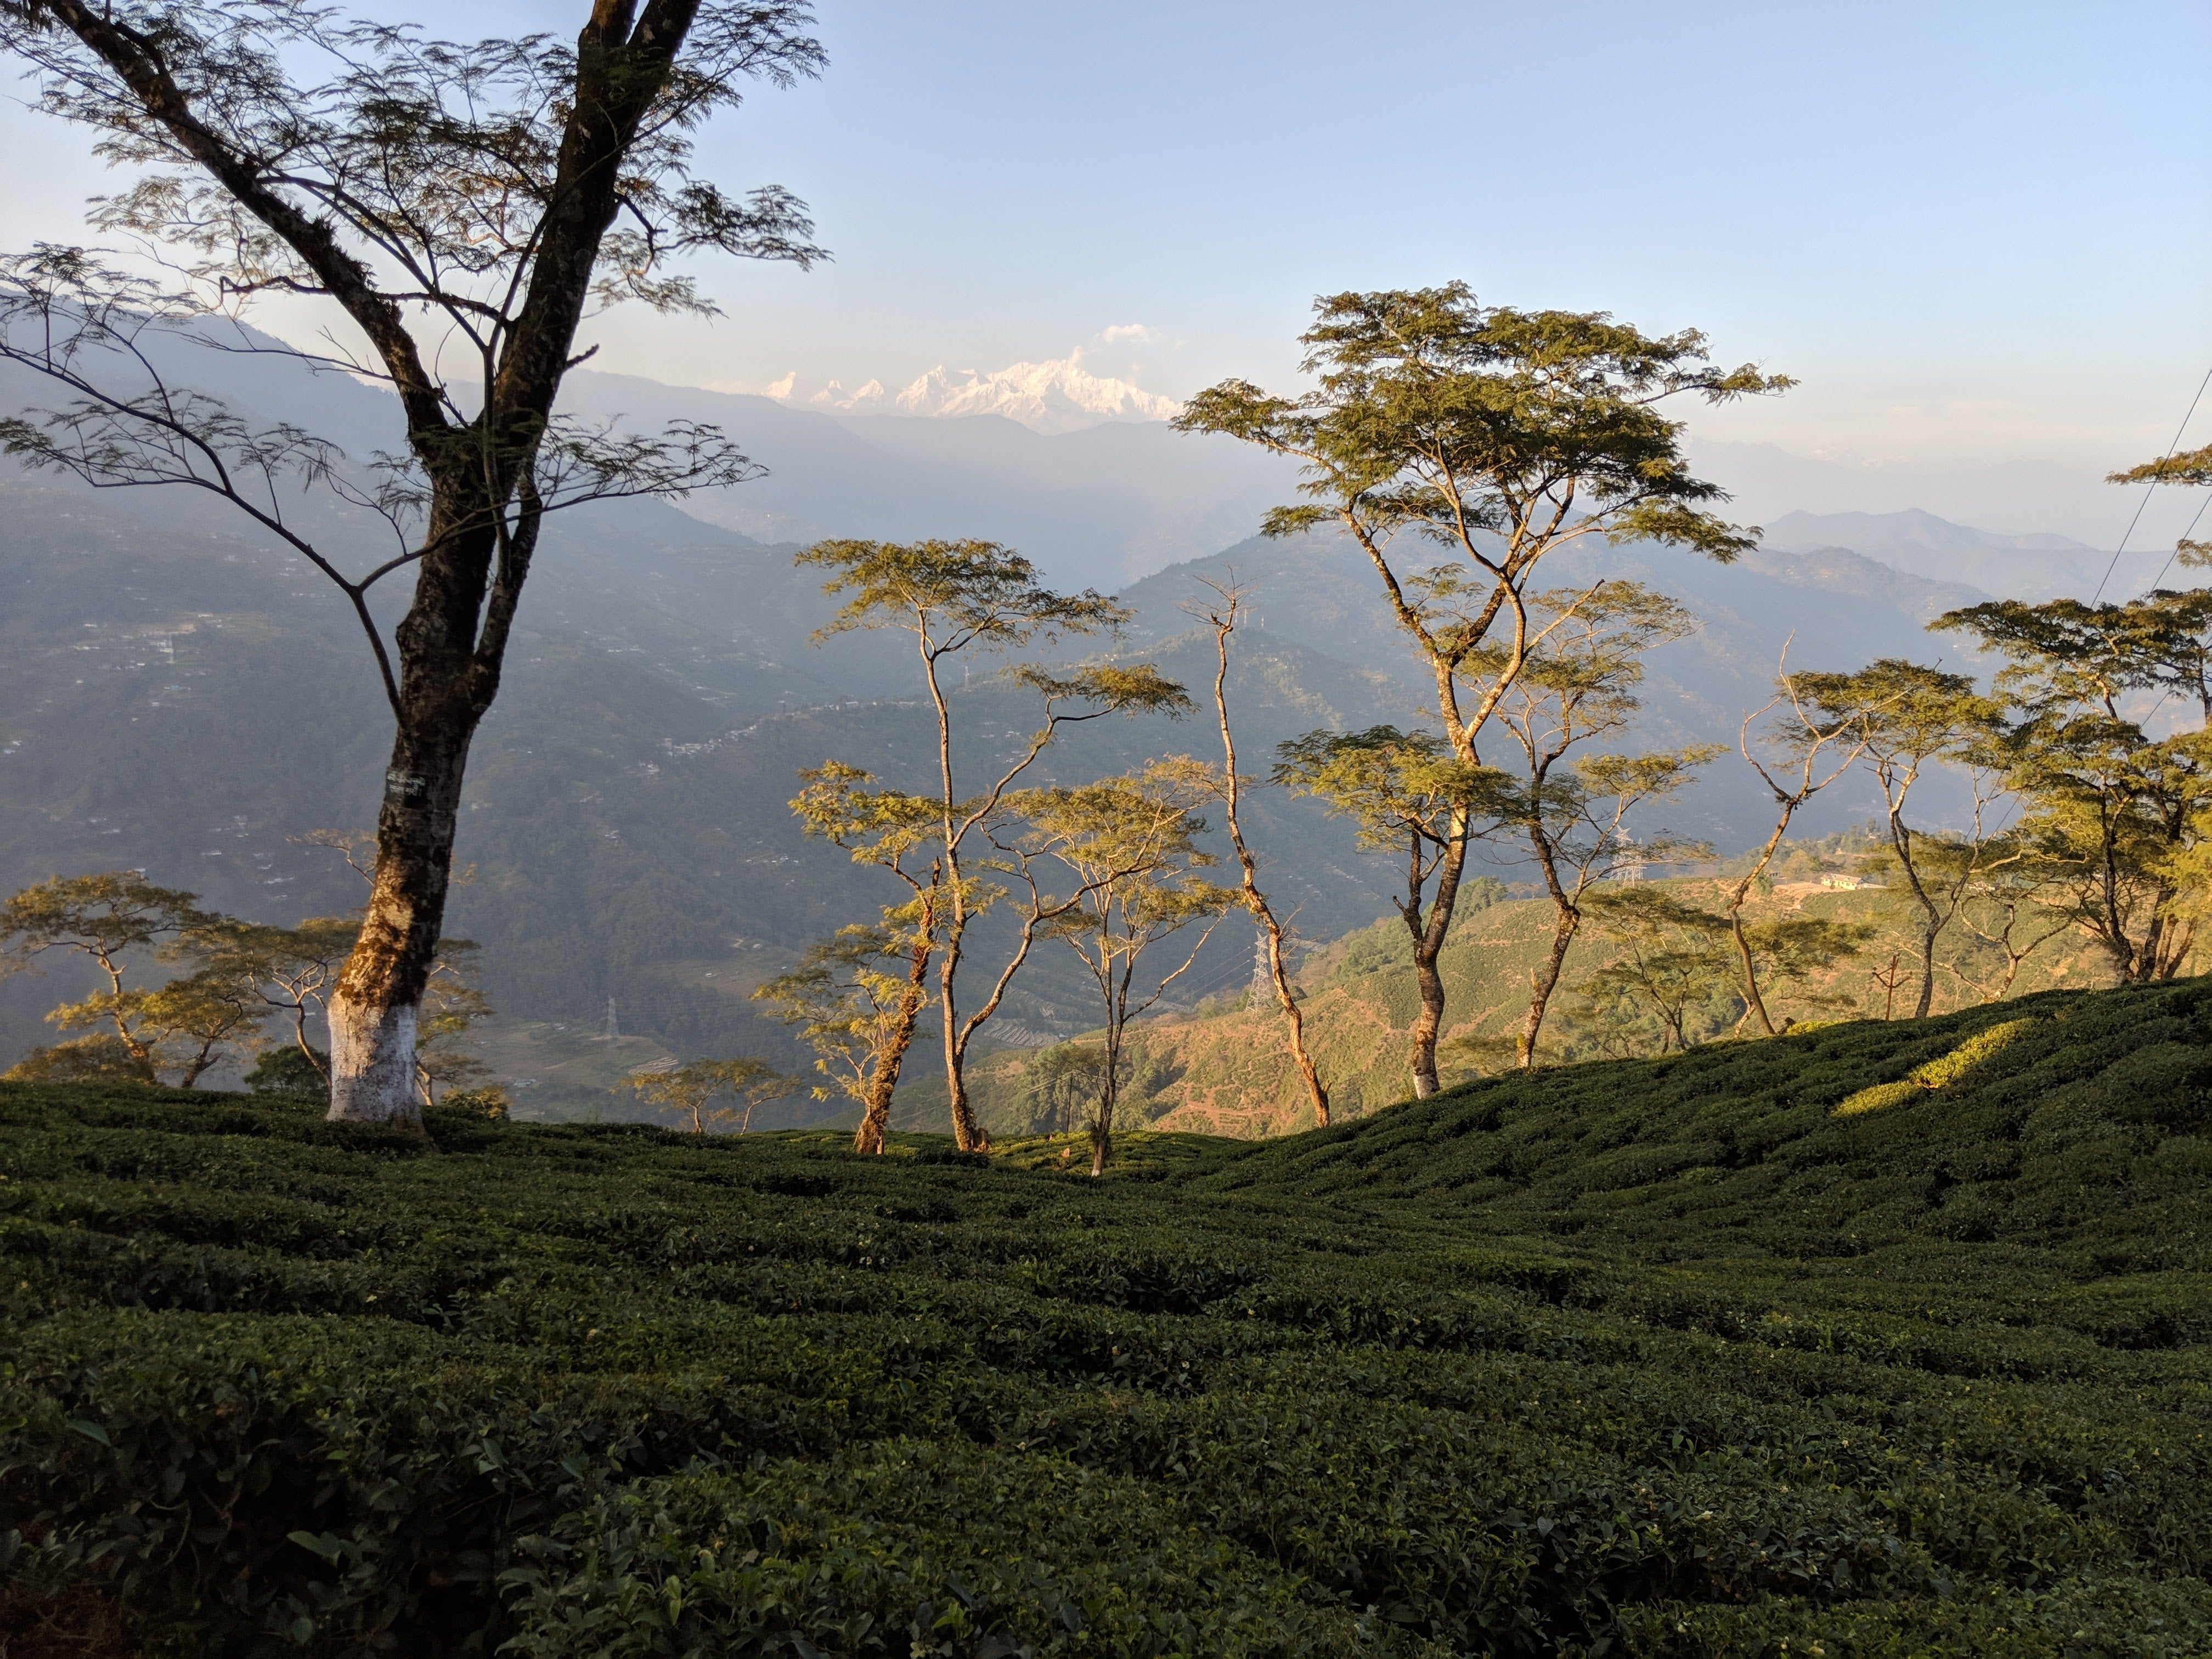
(1145, 333)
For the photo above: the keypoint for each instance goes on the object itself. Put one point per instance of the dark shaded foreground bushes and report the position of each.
(1664, 1359)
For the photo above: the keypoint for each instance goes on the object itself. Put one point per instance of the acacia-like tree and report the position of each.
(2192, 469)
(2016, 899)
(688, 1092)
(1799, 753)
(291, 971)
(1673, 962)
(459, 206)
(1678, 960)
(2124, 812)
(115, 921)
(1908, 717)
(1484, 438)
(955, 598)
(855, 998)
(1131, 844)
(1406, 793)
(1062, 1081)
(1578, 686)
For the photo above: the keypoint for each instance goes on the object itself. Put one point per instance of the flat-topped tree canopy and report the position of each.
(1464, 421)
(1491, 436)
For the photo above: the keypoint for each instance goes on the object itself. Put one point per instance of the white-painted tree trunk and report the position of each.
(373, 1064)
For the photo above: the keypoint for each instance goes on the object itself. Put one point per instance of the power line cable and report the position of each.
(2170, 450)
(2185, 536)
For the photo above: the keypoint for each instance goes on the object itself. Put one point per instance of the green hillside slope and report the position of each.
(1225, 1068)
(1884, 1339)
(189, 705)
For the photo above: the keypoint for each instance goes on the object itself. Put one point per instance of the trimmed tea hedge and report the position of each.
(1706, 1355)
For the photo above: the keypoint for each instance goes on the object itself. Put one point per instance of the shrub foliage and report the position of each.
(1649, 1358)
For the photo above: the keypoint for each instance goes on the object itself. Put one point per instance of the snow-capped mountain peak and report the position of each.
(1057, 395)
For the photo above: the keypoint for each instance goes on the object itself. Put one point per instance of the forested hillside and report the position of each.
(1825, 607)
(179, 698)
(1884, 1339)
(1221, 1068)
(186, 705)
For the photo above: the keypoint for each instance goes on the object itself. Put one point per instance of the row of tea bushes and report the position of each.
(1667, 1358)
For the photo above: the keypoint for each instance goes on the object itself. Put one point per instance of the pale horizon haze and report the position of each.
(1978, 234)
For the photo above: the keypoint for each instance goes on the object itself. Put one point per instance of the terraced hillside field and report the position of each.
(1883, 1339)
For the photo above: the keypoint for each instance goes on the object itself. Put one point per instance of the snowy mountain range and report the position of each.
(1057, 395)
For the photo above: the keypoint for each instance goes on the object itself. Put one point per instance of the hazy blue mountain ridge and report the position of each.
(187, 705)
(2036, 567)
(179, 693)
(1830, 610)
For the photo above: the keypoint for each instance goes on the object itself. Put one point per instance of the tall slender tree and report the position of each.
(1805, 751)
(1222, 614)
(1909, 718)
(1408, 795)
(954, 598)
(1578, 686)
(857, 997)
(457, 206)
(1131, 844)
(1490, 438)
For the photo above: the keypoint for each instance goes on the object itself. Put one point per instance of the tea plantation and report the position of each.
(1874, 1339)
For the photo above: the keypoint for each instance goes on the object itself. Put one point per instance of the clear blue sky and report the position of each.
(1999, 215)
(1978, 232)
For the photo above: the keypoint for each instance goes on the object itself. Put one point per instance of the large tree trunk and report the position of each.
(883, 1083)
(449, 674)
(372, 1011)
(966, 1135)
(453, 638)
(1543, 981)
(1428, 946)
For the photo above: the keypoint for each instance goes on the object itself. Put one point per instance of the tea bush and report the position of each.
(1659, 1358)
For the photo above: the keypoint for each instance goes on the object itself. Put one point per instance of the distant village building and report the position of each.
(1851, 882)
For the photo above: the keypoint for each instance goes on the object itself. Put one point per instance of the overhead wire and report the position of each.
(2185, 536)
(2194, 519)
(2171, 449)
